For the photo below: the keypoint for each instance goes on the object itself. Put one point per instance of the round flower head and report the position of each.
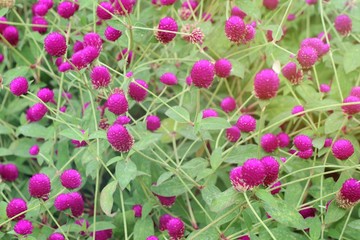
(175, 228)
(36, 112)
(169, 79)
(236, 11)
(271, 4)
(100, 77)
(104, 11)
(70, 179)
(311, 2)
(137, 210)
(40, 9)
(56, 236)
(324, 88)
(93, 39)
(11, 34)
(342, 149)
(166, 201)
(249, 33)
(202, 74)
(351, 109)
(15, 207)
(235, 29)
(275, 188)
(102, 234)
(269, 142)
(78, 45)
(188, 80)
(253, 172)
(299, 110)
(283, 139)
(236, 179)
(343, 24)
(128, 55)
(123, 7)
(123, 120)
(9, 172)
(291, 73)
(39, 185)
(34, 150)
(23, 227)
(39, 21)
(271, 167)
(117, 103)
(64, 67)
(233, 134)
(246, 123)
(3, 25)
(291, 17)
(228, 104)
(206, 113)
(167, 24)
(48, 3)
(152, 238)
(167, 2)
(1, 58)
(320, 48)
(322, 36)
(223, 68)
(349, 194)
(55, 44)
(328, 142)
(245, 237)
(112, 34)
(62, 202)
(307, 57)
(308, 212)
(355, 91)
(46, 95)
(305, 154)
(163, 220)
(303, 142)
(66, 9)
(138, 90)
(153, 123)
(119, 138)
(19, 86)
(76, 204)
(190, 4)
(266, 84)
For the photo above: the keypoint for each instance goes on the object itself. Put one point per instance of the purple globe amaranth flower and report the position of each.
(123, 120)
(100, 77)
(62, 202)
(343, 24)
(349, 194)
(311, 2)
(153, 123)
(9, 172)
(320, 47)
(235, 29)
(291, 73)
(207, 113)
(163, 220)
(112, 34)
(23, 227)
(249, 33)
(117, 103)
(137, 210)
(342, 149)
(169, 79)
(14, 207)
(355, 91)
(11, 34)
(307, 57)
(19, 86)
(246, 123)
(78, 143)
(351, 109)
(138, 90)
(39, 186)
(291, 17)
(245, 237)
(202, 74)
(302, 142)
(270, 4)
(269, 142)
(275, 188)
(76, 204)
(123, 7)
(119, 138)
(34, 150)
(223, 68)
(237, 180)
(64, 67)
(324, 88)
(175, 228)
(55, 44)
(152, 238)
(78, 45)
(70, 179)
(228, 104)
(66, 9)
(233, 134)
(236, 11)
(166, 201)
(39, 21)
(328, 142)
(36, 112)
(46, 95)
(305, 154)
(167, 2)
(253, 172)
(39, 9)
(283, 139)
(266, 84)
(3, 25)
(93, 39)
(48, 3)
(188, 80)
(56, 236)
(271, 167)
(322, 37)
(125, 53)
(308, 212)
(104, 11)
(298, 110)
(167, 29)
(2, 58)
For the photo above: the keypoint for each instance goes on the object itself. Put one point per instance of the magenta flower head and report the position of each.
(271, 4)
(123, 7)
(299, 109)
(307, 57)
(269, 142)
(228, 104)
(324, 88)
(175, 228)
(343, 24)
(351, 109)
(342, 149)
(266, 84)
(233, 134)
(246, 123)
(9, 172)
(76, 204)
(138, 90)
(70, 179)
(305, 154)
(123, 120)
(78, 45)
(117, 103)
(163, 220)
(152, 238)
(169, 79)
(48, 3)
(137, 210)
(283, 139)
(66, 9)
(291, 73)
(311, 2)
(112, 34)
(11, 34)
(39, 186)
(119, 138)
(328, 142)
(245, 237)
(349, 194)
(206, 113)
(271, 167)
(93, 39)
(166, 201)
(167, 2)
(236, 11)
(1, 58)
(223, 68)
(188, 80)
(253, 173)
(34, 150)
(275, 188)
(125, 53)
(237, 180)
(291, 17)
(355, 91)
(308, 212)
(56, 236)
(62, 202)
(15, 207)
(46, 95)
(39, 21)
(322, 36)
(36, 112)
(104, 11)
(103, 234)
(169, 26)
(23, 227)
(249, 33)
(55, 44)
(3, 25)
(64, 67)
(320, 48)
(153, 123)
(19, 86)
(303, 142)
(203, 73)
(40, 9)
(235, 29)
(100, 77)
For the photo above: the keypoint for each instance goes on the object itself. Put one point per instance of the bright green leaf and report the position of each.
(106, 198)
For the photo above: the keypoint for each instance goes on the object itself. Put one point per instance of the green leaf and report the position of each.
(4, 130)
(319, 142)
(72, 134)
(179, 114)
(349, 59)
(98, 134)
(209, 234)
(355, 224)
(334, 122)
(143, 228)
(3, 11)
(226, 199)
(213, 123)
(102, 226)
(106, 198)
(238, 69)
(315, 227)
(172, 187)
(35, 130)
(293, 194)
(15, 72)
(241, 153)
(5, 152)
(334, 213)
(125, 172)
(216, 158)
